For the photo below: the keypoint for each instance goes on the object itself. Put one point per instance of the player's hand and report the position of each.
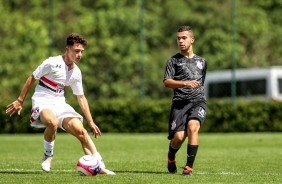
(14, 107)
(192, 84)
(96, 131)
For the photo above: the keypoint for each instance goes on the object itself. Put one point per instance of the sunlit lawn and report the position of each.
(141, 158)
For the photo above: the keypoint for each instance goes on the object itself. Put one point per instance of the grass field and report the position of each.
(141, 158)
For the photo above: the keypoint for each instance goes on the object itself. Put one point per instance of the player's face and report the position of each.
(74, 53)
(184, 40)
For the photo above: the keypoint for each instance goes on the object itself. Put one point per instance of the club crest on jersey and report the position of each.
(60, 88)
(200, 64)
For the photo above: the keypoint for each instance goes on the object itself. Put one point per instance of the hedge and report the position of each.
(150, 115)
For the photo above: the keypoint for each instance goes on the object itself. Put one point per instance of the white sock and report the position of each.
(100, 160)
(48, 148)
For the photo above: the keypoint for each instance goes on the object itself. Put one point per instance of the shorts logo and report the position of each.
(201, 112)
(173, 125)
(34, 114)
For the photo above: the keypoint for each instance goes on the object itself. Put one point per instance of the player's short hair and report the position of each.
(186, 28)
(76, 38)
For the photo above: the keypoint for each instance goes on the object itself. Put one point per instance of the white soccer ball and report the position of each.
(88, 165)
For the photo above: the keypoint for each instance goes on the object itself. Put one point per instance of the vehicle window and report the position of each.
(280, 85)
(244, 88)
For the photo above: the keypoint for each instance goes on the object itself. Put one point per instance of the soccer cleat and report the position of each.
(106, 171)
(171, 166)
(187, 171)
(46, 163)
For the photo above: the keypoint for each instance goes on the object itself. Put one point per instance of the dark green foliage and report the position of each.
(114, 67)
(121, 115)
(117, 63)
(245, 116)
(132, 116)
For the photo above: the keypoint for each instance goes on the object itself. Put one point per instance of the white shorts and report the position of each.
(61, 110)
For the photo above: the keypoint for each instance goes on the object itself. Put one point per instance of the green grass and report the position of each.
(141, 158)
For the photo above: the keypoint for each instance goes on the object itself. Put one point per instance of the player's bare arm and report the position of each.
(83, 103)
(16, 106)
(170, 83)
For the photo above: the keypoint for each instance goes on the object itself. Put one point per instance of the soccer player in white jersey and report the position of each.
(49, 108)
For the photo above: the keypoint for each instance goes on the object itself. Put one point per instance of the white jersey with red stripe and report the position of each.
(54, 75)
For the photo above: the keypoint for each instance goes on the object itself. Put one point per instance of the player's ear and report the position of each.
(192, 40)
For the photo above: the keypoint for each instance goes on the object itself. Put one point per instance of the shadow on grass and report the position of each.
(142, 172)
(21, 172)
(27, 171)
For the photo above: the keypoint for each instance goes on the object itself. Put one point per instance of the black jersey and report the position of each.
(181, 68)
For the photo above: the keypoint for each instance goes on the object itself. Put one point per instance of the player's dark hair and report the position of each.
(186, 28)
(76, 38)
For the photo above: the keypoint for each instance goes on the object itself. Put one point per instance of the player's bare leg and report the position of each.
(48, 118)
(174, 146)
(192, 147)
(75, 127)
(193, 132)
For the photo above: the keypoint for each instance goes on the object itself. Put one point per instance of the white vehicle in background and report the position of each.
(250, 83)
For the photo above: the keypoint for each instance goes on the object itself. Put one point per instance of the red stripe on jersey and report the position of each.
(51, 83)
(54, 84)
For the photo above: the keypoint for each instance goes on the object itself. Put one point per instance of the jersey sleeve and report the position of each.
(76, 86)
(42, 69)
(169, 70)
(204, 73)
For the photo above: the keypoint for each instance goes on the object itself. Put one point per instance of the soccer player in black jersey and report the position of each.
(185, 74)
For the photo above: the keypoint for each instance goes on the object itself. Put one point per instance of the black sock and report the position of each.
(191, 154)
(172, 152)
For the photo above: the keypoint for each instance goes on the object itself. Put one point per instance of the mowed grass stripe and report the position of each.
(141, 158)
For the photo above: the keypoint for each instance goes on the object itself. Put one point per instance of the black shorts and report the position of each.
(183, 111)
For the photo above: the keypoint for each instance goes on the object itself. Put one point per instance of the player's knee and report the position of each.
(82, 135)
(193, 126)
(52, 123)
(49, 119)
(179, 137)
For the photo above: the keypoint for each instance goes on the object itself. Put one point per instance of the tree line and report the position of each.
(131, 40)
